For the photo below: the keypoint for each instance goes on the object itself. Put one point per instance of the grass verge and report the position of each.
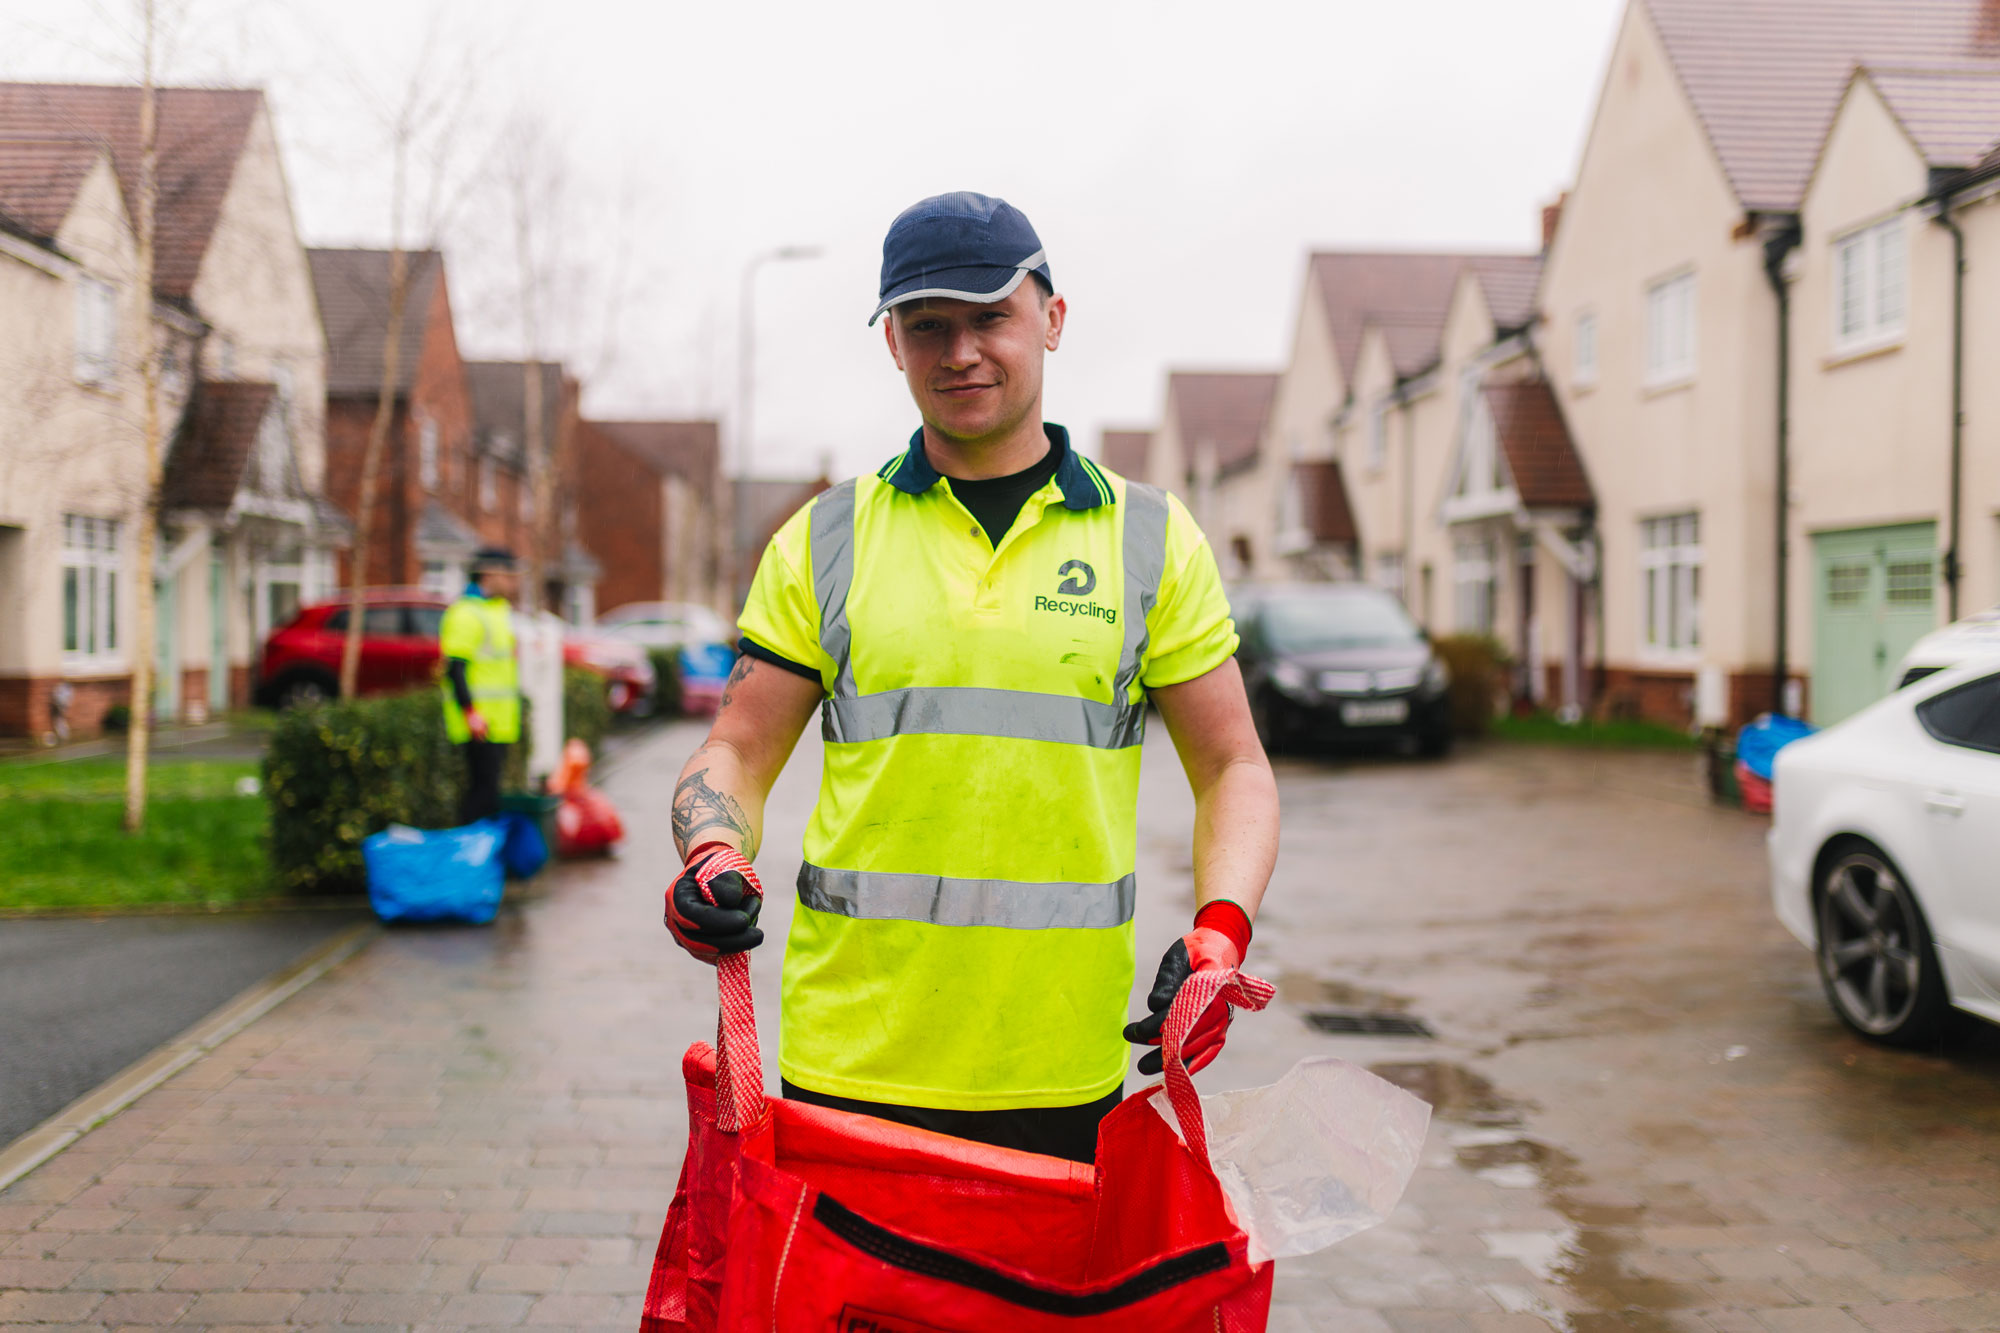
(61, 845)
(1544, 729)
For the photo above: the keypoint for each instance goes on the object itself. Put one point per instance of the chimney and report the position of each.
(1552, 213)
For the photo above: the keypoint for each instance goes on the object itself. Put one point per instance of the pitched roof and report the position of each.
(499, 406)
(1126, 452)
(205, 468)
(1323, 503)
(1541, 457)
(1407, 295)
(1952, 114)
(1224, 410)
(201, 136)
(39, 179)
(1766, 75)
(439, 527)
(685, 449)
(353, 291)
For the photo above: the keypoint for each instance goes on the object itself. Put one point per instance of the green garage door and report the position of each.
(1874, 595)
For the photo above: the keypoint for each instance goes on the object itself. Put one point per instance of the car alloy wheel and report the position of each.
(1875, 956)
(304, 692)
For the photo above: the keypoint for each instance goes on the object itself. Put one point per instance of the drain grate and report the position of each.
(1362, 1023)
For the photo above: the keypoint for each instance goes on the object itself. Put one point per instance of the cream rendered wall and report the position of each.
(66, 447)
(1309, 393)
(255, 289)
(1871, 433)
(1650, 200)
(1980, 547)
(1169, 462)
(1375, 492)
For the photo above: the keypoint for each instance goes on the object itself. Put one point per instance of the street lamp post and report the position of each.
(746, 366)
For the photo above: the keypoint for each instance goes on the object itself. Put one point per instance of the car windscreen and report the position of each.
(1323, 622)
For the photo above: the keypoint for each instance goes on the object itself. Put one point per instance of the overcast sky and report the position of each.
(1179, 158)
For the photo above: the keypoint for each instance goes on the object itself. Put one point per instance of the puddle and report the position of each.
(1485, 1130)
(1311, 992)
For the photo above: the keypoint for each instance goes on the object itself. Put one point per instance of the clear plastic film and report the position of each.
(1310, 1160)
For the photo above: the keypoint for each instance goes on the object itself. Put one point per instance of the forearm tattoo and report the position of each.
(698, 806)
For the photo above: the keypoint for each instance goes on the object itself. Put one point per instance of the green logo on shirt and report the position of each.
(1063, 606)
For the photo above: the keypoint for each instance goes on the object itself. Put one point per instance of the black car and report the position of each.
(1338, 664)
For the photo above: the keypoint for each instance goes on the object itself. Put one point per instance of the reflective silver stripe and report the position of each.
(1145, 565)
(1006, 903)
(969, 711)
(833, 579)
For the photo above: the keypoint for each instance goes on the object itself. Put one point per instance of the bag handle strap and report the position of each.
(739, 1066)
(1196, 993)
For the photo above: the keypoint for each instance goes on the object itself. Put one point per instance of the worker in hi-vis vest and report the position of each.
(982, 622)
(482, 679)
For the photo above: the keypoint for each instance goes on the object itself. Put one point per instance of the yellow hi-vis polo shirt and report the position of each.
(964, 932)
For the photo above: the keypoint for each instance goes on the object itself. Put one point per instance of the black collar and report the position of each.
(1083, 485)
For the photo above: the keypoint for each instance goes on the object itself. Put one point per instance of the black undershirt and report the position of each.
(994, 501)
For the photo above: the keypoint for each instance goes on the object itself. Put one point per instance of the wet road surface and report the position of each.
(1646, 1117)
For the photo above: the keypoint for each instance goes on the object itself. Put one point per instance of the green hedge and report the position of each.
(338, 772)
(1478, 667)
(586, 707)
(666, 681)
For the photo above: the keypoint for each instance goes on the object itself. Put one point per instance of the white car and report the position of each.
(1885, 854)
(671, 625)
(1976, 636)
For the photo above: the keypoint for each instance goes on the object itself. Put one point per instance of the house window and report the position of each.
(486, 485)
(1378, 436)
(1586, 350)
(90, 568)
(1475, 577)
(1389, 572)
(427, 453)
(1670, 343)
(1670, 571)
(1871, 285)
(96, 331)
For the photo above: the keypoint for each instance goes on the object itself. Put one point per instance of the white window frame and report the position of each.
(1475, 576)
(1671, 327)
(1378, 435)
(427, 451)
(93, 560)
(1586, 350)
(96, 331)
(1876, 259)
(1670, 587)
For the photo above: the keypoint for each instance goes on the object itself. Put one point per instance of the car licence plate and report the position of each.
(1374, 712)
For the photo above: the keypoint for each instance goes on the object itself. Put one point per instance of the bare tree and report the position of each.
(145, 601)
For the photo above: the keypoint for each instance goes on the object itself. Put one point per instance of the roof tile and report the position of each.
(1223, 410)
(215, 444)
(1541, 457)
(39, 179)
(353, 291)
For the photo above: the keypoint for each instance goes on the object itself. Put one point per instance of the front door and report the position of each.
(1874, 596)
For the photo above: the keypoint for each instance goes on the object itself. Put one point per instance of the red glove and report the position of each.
(712, 908)
(477, 725)
(1217, 943)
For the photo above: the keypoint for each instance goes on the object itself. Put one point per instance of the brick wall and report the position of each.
(1667, 697)
(348, 421)
(620, 513)
(24, 703)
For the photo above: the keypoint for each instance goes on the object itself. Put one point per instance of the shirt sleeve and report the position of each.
(1190, 630)
(781, 615)
(460, 633)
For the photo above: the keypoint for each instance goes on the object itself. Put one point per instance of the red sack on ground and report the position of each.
(1755, 791)
(792, 1218)
(586, 822)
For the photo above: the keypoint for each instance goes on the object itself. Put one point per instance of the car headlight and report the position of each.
(1289, 677)
(1437, 676)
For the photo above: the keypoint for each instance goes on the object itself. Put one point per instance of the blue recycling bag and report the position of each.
(452, 874)
(525, 850)
(1757, 745)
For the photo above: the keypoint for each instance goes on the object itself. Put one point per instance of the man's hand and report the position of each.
(1216, 943)
(476, 723)
(712, 908)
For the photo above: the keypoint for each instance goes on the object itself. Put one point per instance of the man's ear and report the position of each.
(889, 335)
(1054, 314)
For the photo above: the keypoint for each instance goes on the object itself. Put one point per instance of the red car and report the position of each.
(399, 651)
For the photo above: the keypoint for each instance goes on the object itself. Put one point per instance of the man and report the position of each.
(482, 681)
(984, 620)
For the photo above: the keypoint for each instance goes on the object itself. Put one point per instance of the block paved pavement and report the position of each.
(1646, 1119)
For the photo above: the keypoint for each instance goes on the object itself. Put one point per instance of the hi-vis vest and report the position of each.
(481, 630)
(964, 935)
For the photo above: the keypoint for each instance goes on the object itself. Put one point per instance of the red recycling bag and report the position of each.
(792, 1217)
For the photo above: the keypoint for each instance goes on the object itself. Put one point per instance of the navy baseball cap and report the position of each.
(965, 246)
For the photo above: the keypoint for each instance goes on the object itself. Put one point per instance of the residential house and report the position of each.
(1890, 535)
(653, 512)
(1206, 451)
(500, 445)
(763, 505)
(1662, 300)
(1126, 452)
(429, 485)
(233, 292)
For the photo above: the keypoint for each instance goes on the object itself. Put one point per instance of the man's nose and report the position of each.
(961, 350)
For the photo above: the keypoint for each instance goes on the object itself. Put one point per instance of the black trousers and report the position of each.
(484, 761)
(1055, 1131)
